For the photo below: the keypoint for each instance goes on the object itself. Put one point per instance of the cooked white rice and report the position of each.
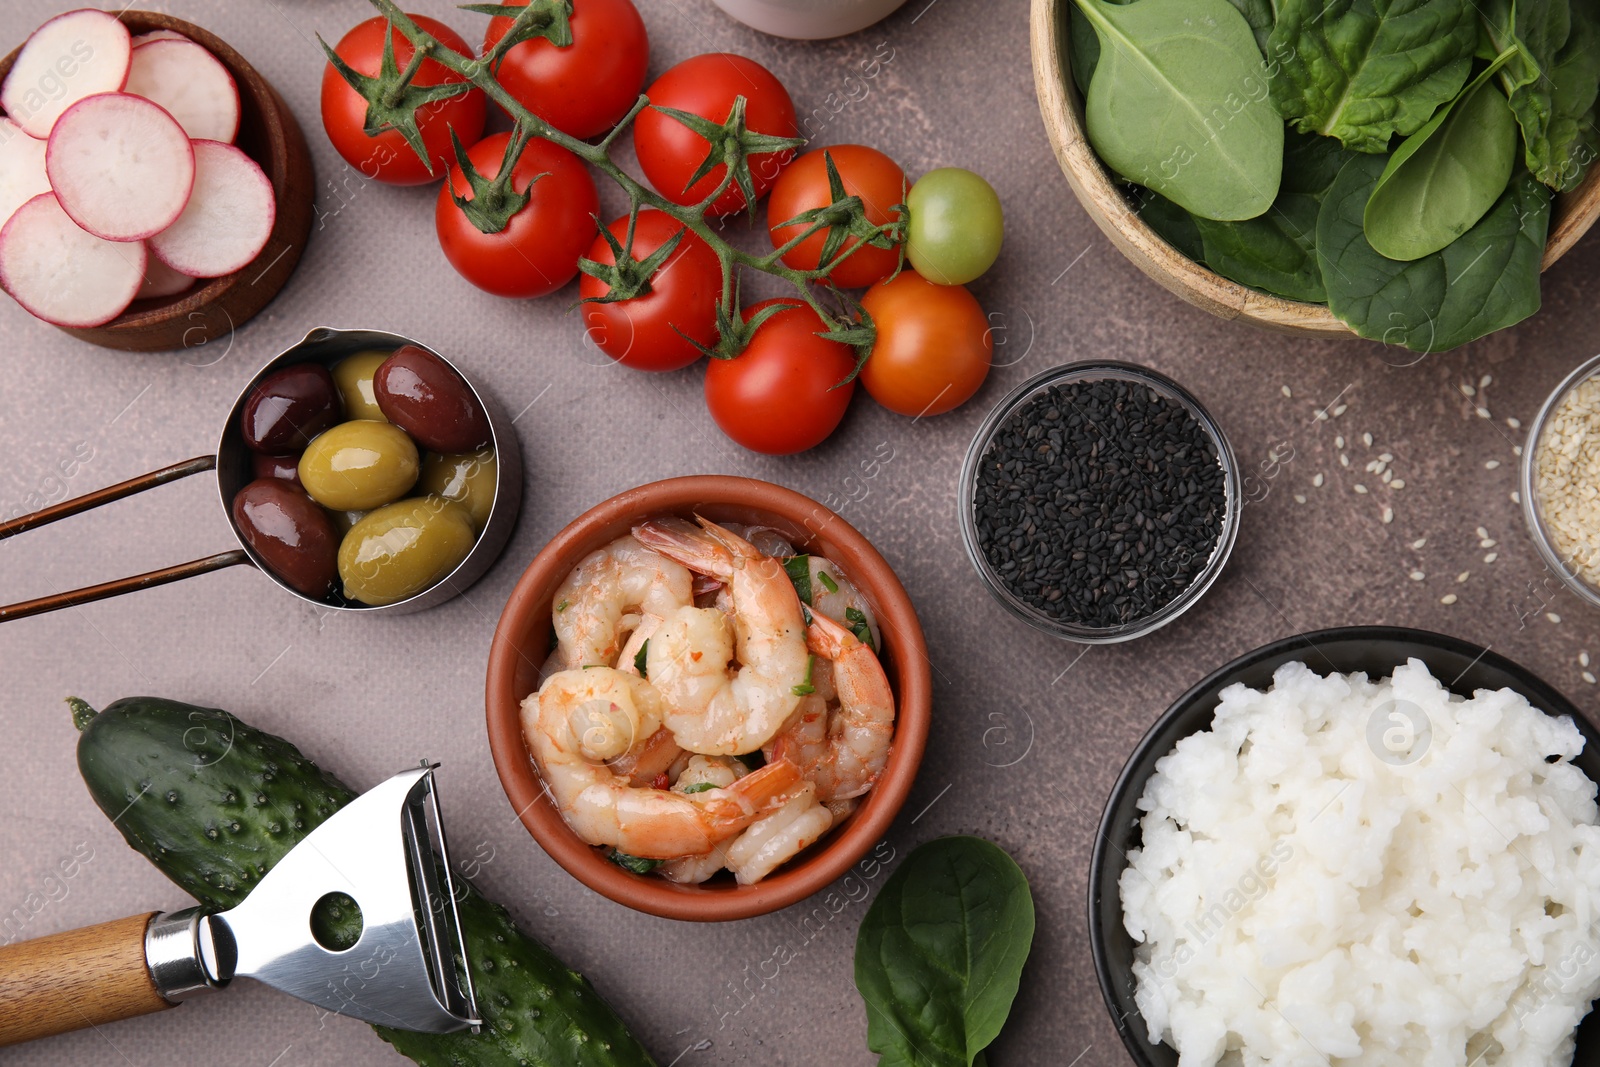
(1301, 900)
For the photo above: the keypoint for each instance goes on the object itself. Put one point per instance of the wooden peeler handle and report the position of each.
(67, 981)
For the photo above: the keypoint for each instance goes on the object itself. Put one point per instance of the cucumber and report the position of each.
(214, 803)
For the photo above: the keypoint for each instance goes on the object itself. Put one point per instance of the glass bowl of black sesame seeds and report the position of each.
(1099, 501)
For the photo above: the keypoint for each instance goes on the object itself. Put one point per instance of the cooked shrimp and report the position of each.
(833, 594)
(708, 706)
(859, 733)
(648, 759)
(609, 593)
(778, 837)
(604, 808)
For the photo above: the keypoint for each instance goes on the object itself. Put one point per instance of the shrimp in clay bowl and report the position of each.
(708, 697)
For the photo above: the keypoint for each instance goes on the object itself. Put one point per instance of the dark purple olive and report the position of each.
(291, 534)
(425, 397)
(283, 468)
(289, 407)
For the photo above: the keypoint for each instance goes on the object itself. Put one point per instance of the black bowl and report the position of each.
(1377, 650)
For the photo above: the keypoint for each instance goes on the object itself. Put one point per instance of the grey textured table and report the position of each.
(1029, 733)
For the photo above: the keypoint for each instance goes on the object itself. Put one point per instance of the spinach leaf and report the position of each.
(1171, 223)
(940, 952)
(1083, 45)
(1276, 252)
(1365, 70)
(1444, 177)
(1179, 103)
(1485, 280)
(1552, 83)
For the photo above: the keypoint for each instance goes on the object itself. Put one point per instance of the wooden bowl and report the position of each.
(1573, 213)
(522, 640)
(269, 135)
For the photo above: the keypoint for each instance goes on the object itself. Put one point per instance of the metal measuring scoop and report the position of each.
(232, 462)
(385, 850)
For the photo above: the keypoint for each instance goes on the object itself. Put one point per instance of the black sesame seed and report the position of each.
(1098, 502)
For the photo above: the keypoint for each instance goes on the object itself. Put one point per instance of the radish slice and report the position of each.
(22, 175)
(161, 280)
(70, 57)
(61, 272)
(229, 217)
(120, 165)
(157, 35)
(190, 82)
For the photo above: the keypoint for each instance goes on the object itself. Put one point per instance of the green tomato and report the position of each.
(956, 226)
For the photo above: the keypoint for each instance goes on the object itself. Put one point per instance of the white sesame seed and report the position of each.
(1299, 498)
(1552, 616)
(1448, 598)
(1514, 422)
(1360, 488)
(1388, 477)
(1583, 659)
(1491, 464)
(1588, 677)
(1482, 532)
(1374, 467)
(1344, 460)
(1483, 413)
(1366, 439)
(1286, 391)
(1386, 458)
(1462, 577)
(1338, 442)
(1388, 515)
(1516, 450)
(1317, 481)
(1467, 389)
(1487, 542)
(1516, 497)
(1398, 483)
(1484, 382)
(1417, 576)
(1419, 542)
(1322, 416)
(1491, 557)
(1340, 410)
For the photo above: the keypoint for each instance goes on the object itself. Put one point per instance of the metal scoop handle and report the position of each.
(88, 502)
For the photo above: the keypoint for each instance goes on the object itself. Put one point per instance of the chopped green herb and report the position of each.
(753, 760)
(799, 570)
(699, 787)
(632, 863)
(592, 666)
(827, 582)
(805, 688)
(639, 659)
(563, 605)
(805, 614)
(858, 626)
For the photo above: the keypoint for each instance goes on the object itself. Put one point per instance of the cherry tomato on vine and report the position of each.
(651, 331)
(778, 395)
(537, 251)
(387, 157)
(707, 85)
(583, 88)
(956, 226)
(933, 347)
(803, 185)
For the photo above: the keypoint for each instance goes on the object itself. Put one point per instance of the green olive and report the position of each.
(359, 465)
(403, 548)
(353, 377)
(466, 477)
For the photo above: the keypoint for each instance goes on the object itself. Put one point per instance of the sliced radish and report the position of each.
(161, 280)
(121, 166)
(22, 175)
(72, 56)
(61, 272)
(190, 82)
(143, 39)
(229, 217)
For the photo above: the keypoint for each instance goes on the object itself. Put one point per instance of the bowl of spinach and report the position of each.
(1398, 170)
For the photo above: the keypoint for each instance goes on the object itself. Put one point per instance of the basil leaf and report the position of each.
(1365, 70)
(641, 657)
(1446, 176)
(856, 619)
(1552, 83)
(940, 952)
(698, 787)
(805, 688)
(798, 568)
(1485, 280)
(636, 864)
(1179, 103)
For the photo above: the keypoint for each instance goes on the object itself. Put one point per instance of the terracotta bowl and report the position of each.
(522, 640)
(269, 135)
(1098, 192)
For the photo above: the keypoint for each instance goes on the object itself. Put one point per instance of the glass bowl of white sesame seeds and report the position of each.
(1561, 481)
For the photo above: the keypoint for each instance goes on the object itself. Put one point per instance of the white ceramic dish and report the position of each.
(809, 20)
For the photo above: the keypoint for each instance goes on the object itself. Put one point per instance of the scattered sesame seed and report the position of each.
(1516, 497)
(1388, 477)
(1448, 598)
(1516, 450)
(1487, 542)
(1344, 460)
(1340, 410)
(1366, 439)
(1483, 413)
(1317, 481)
(1483, 383)
(1338, 441)
(1467, 389)
(1419, 542)
(1491, 464)
(1286, 391)
(1373, 467)
(1398, 483)
(1491, 557)
(1360, 488)
(1417, 576)
(1299, 498)
(1386, 458)
(1588, 677)
(1552, 616)
(1583, 659)
(1462, 577)
(1513, 422)
(1388, 515)
(1482, 532)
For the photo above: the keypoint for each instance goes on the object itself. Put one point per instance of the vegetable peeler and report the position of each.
(385, 850)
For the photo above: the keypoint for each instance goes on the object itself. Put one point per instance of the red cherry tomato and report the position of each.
(706, 85)
(387, 157)
(778, 395)
(651, 331)
(584, 88)
(933, 348)
(537, 252)
(803, 185)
